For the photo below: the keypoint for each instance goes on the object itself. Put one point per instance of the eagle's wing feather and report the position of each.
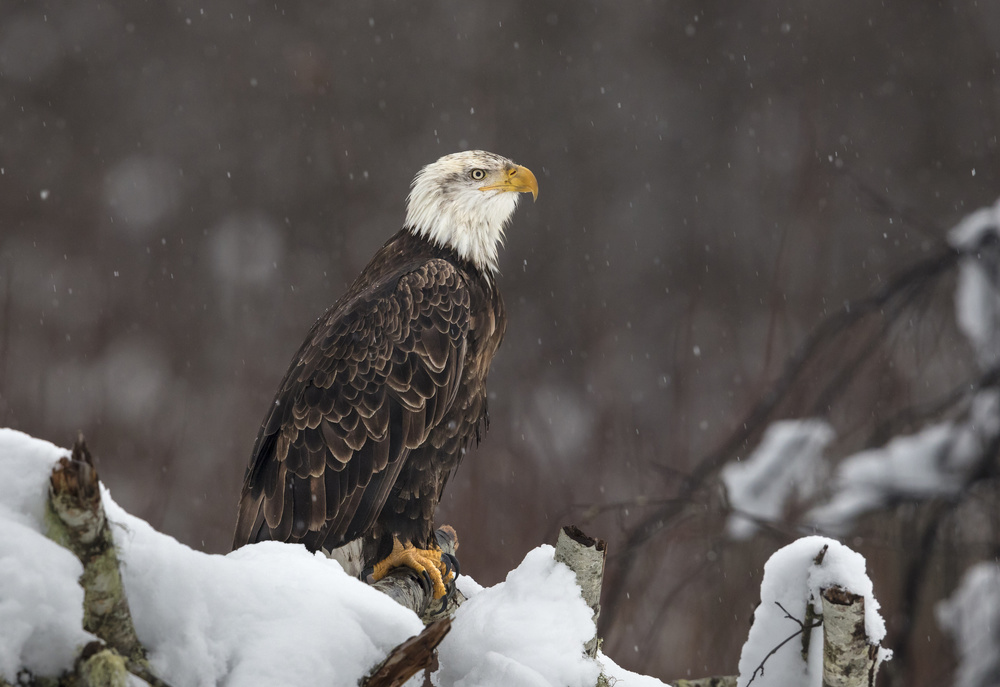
(369, 384)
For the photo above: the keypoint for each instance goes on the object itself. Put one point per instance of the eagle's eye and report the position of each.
(477, 174)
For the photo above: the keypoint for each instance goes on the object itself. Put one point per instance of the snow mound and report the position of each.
(794, 580)
(491, 644)
(268, 614)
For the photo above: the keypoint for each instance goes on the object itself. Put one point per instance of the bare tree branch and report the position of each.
(920, 276)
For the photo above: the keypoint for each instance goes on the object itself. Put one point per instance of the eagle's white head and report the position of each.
(464, 201)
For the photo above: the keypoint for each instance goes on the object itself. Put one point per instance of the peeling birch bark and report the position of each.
(849, 660)
(585, 556)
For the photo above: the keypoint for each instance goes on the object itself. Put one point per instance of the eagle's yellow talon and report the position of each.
(423, 561)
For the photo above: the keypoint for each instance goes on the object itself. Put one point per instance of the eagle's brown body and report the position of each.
(378, 405)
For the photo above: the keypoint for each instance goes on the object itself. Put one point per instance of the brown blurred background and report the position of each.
(185, 187)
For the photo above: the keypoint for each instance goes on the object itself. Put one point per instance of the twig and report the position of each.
(802, 628)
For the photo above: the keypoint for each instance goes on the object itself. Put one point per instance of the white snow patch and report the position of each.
(972, 617)
(527, 630)
(788, 461)
(793, 580)
(26, 465)
(271, 613)
(934, 462)
(41, 603)
(620, 677)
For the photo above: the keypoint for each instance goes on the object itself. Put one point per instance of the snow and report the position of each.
(272, 613)
(793, 580)
(977, 296)
(788, 460)
(620, 677)
(972, 617)
(491, 645)
(41, 604)
(935, 462)
(269, 614)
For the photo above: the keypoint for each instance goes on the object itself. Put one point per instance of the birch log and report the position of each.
(849, 660)
(584, 556)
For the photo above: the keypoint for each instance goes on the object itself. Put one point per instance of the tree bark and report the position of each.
(849, 660)
(585, 556)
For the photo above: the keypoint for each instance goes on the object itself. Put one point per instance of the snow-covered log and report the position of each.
(270, 613)
(794, 641)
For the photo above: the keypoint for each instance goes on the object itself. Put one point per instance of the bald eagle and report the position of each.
(389, 387)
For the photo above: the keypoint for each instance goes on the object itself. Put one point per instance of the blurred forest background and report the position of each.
(186, 186)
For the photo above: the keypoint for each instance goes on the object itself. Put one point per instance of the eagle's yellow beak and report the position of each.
(517, 179)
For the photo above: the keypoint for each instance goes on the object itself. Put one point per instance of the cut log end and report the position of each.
(577, 535)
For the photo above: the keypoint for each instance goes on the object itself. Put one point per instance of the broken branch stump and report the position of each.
(585, 556)
(75, 519)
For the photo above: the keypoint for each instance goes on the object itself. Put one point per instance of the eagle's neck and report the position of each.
(471, 223)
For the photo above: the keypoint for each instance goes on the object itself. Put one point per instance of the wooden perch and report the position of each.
(585, 556)
(849, 660)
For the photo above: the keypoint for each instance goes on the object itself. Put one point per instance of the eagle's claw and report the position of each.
(425, 562)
